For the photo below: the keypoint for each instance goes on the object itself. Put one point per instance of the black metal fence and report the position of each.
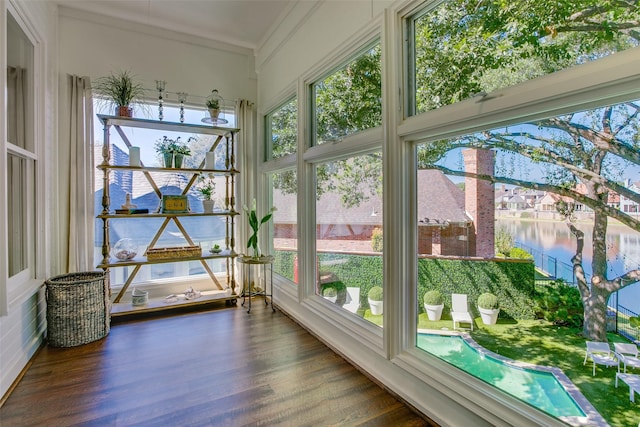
(618, 315)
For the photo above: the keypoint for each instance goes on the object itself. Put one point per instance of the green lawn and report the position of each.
(542, 343)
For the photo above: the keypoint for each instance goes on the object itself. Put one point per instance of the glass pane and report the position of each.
(124, 184)
(349, 100)
(19, 86)
(282, 128)
(285, 222)
(349, 236)
(500, 258)
(17, 205)
(491, 45)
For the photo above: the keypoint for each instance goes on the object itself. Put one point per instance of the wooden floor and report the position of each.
(221, 367)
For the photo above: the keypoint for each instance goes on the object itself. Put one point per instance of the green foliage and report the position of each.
(252, 217)
(503, 241)
(283, 263)
(634, 322)
(349, 100)
(511, 281)
(329, 291)
(119, 89)
(375, 293)
(488, 301)
(433, 298)
(520, 253)
(206, 185)
(283, 130)
(560, 304)
(376, 239)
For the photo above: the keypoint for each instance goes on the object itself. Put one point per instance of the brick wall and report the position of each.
(479, 199)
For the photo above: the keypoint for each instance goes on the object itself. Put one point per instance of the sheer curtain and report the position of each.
(76, 176)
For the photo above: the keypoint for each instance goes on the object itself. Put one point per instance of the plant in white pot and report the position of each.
(206, 187)
(433, 304)
(488, 308)
(375, 300)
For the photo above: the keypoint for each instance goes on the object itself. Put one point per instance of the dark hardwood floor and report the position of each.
(221, 367)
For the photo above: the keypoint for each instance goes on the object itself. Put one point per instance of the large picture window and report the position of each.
(464, 48)
(349, 100)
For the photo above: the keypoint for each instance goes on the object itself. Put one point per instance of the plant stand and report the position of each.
(248, 265)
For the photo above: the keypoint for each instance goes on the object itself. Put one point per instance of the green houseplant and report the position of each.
(180, 150)
(120, 90)
(433, 304)
(206, 187)
(489, 308)
(375, 297)
(166, 147)
(213, 105)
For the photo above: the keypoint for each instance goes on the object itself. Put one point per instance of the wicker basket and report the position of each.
(174, 252)
(77, 308)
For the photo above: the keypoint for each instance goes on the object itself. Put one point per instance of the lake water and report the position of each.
(554, 240)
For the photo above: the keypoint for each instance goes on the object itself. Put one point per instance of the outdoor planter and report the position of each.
(489, 316)
(434, 312)
(376, 307)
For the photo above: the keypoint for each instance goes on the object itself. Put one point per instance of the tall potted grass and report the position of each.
(119, 90)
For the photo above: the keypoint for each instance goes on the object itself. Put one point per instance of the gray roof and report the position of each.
(439, 199)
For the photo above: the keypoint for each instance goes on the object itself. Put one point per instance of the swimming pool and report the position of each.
(538, 388)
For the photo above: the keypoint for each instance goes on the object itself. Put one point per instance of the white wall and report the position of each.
(96, 46)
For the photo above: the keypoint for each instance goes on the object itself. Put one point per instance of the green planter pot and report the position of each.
(168, 160)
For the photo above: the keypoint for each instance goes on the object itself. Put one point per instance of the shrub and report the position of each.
(634, 322)
(488, 301)
(512, 281)
(520, 253)
(375, 293)
(376, 239)
(560, 304)
(329, 292)
(503, 241)
(433, 298)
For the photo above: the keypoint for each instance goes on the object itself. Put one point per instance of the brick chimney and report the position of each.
(480, 199)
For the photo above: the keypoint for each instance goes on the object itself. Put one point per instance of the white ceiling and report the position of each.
(244, 23)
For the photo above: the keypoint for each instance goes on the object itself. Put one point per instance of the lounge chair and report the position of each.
(600, 353)
(460, 310)
(627, 354)
(353, 299)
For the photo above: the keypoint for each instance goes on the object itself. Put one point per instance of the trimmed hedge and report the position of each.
(511, 281)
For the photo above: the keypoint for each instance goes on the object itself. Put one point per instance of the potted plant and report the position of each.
(206, 187)
(254, 223)
(119, 90)
(166, 147)
(179, 151)
(375, 300)
(213, 105)
(330, 293)
(488, 308)
(433, 304)
(216, 249)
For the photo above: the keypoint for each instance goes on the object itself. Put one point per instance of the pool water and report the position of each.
(538, 388)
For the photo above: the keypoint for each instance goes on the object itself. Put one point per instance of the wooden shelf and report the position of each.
(113, 262)
(160, 304)
(167, 215)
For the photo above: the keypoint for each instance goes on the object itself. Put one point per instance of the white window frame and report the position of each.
(609, 80)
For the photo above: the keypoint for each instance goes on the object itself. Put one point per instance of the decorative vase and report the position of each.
(168, 160)
(208, 205)
(434, 312)
(177, 160)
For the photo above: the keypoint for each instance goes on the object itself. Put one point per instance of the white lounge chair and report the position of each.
(460, 310)
(600, 354)
(353, 299)
(627, 354)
